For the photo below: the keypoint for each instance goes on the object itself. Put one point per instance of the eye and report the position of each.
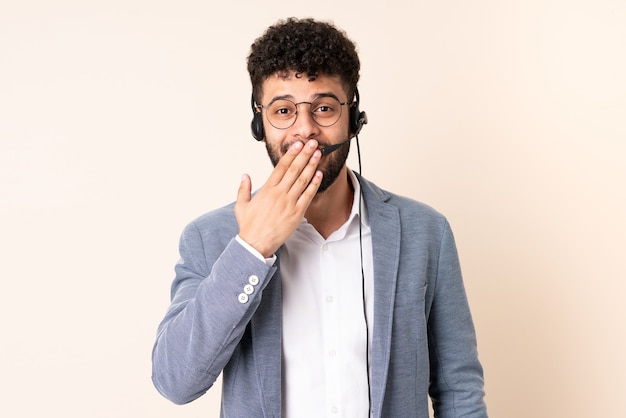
(282, 109)
(325, 108)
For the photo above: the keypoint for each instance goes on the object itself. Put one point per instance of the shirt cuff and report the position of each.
(269, 261)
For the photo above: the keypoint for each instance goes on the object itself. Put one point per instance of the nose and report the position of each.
(305, 126)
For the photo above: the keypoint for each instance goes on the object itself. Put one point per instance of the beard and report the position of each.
(334, 163)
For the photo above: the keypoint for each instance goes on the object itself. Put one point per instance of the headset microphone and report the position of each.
(331, 148)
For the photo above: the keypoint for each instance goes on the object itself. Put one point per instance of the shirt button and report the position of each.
(253, 280)
(329, 299)
(334, 410)
(248, 289)
(325, 247)
(243, 298)
(332, 353)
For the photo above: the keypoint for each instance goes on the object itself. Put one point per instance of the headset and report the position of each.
(357, 118)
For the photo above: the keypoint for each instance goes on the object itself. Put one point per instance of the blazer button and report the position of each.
(243, 298)
(253, 280)
(248, 289)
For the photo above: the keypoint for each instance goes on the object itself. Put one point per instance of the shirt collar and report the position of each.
(358, 199)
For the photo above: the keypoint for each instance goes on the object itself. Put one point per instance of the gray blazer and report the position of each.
(423, 336)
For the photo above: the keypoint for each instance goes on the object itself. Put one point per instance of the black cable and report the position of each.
(367, 349)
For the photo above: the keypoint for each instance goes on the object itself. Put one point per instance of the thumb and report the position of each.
(244, 194)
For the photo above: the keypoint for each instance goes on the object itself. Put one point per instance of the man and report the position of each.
(320, 294)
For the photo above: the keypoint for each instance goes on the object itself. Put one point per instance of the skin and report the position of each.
(290, 193)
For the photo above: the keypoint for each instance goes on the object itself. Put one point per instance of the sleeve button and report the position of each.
(253, 280)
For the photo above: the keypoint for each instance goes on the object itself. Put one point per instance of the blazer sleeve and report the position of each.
(207, 316)
(456, 383)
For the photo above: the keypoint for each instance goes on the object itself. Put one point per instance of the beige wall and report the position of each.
(120, 121)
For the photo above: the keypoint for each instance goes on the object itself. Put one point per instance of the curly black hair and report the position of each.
(306, 46)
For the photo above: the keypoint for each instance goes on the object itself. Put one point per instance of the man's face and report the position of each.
(300, 89)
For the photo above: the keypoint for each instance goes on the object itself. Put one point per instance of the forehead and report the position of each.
(300, 87)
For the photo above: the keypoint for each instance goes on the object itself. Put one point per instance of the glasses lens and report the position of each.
(326, 111)
(281, 113)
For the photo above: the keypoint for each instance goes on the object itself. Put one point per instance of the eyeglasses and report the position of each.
(325, 111)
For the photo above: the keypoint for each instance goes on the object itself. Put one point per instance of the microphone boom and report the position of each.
(331, 148)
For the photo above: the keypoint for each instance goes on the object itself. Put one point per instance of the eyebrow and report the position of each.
(292, 99)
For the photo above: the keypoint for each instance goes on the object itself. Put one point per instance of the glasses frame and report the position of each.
(341, 105)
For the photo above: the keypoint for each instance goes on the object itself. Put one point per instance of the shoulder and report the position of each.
(224, 216)
(216, 225)
(407, 207)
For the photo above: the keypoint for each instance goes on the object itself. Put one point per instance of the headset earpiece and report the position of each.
(357, 118)
(256, 126)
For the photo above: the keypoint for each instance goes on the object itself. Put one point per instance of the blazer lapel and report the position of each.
(384, 222)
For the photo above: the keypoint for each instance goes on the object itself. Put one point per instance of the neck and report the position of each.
(331, 208)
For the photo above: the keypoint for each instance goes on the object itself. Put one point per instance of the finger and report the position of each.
(306, 175)
(284, 163)
(310, 192)
(304, 159)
